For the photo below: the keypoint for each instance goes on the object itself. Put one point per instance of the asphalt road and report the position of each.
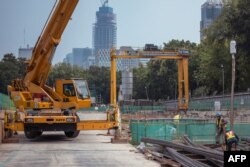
(53, 149)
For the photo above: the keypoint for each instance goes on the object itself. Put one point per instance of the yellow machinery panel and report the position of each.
(97, 125)
(50, 119)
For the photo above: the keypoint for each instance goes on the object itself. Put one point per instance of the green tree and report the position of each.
(10, 69)
(140, 82)
(194, 61)
(214, 50)
(100, 77)
(65, 71)
(159, 78)
(240, 26)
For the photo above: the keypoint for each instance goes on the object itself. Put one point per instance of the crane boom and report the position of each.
(45, 108)
(31, 91)
(43, 53)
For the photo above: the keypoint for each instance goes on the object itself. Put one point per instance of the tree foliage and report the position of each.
(140, 82)
(214, 50)
(98, 78)
(159, 78)
(10, 68)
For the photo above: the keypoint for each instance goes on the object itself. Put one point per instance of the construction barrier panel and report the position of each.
(241, 102)
(6, 103)
(130, 109)
(198, 130)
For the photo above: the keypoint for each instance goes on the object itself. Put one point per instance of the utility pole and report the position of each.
(223, 80)
(233, 52)
(146, 92)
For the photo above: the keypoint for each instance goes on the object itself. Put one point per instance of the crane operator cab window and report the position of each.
(82, 89)
(69, 90)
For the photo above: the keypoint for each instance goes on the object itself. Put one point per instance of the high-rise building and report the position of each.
(210, 10)
(104, 35)
(79, 57)
(68, 59)
(90, 62)
(25, 52)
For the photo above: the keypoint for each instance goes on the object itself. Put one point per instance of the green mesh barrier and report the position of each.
(202, 133)
(240, 102)
(6, 103)
(199, 131)
(151, 128)
(133, 109)
(242, 129)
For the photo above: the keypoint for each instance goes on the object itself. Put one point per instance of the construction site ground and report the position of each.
(94, 148)
(90, 148)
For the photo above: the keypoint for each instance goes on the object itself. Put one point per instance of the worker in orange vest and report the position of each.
(231, 139)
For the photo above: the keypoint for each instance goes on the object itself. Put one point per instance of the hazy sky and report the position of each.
(138, 22)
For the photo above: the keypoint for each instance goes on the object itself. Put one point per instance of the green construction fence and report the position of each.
(131, 109)
(198, 130)
(6, 103)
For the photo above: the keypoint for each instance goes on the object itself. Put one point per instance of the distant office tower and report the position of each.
(104, 35)
(210, 10)
(79, 57)
(90, 62)
(68, 59)
(25, 52)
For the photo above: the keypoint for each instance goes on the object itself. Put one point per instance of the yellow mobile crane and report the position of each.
(45, 108)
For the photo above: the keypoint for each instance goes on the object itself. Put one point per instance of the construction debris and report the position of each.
(188, 155)
(245, 145)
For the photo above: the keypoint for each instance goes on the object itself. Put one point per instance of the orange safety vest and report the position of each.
(230, 135)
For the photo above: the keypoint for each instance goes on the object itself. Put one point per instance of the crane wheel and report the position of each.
(32, 134)
(73, 134)
(8, 133)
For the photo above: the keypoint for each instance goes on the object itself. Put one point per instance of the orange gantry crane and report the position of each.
(182, 58)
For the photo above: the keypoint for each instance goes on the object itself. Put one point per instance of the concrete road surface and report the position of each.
(53, 149)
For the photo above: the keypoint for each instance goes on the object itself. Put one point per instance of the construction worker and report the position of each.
(176, 124)
(177, 118)
(220, 127)
(231, 140)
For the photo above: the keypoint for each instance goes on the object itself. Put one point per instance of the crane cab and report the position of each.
(74, 90)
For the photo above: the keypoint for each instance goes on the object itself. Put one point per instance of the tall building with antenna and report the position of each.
(210, 10)
(25, 52)
(104, 34)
